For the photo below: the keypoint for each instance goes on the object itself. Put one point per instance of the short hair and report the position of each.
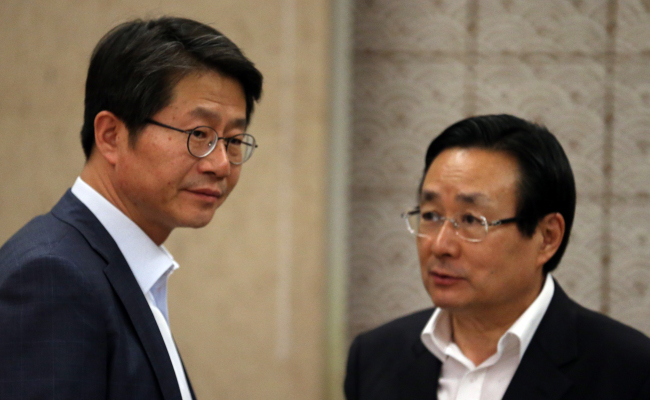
(546, 183)
(136, 66)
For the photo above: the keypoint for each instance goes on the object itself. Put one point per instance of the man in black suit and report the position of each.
(83, 289)
(496, 205)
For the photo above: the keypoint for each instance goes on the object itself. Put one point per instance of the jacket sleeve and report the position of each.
(351, 385)
(53, 341)
(645, 391)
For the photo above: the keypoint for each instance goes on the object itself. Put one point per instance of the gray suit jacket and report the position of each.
(74, 323)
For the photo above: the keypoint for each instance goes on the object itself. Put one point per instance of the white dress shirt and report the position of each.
(459, 378)
(151, 265)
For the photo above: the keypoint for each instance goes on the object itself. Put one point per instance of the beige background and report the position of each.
(247, 306)
(578, 66)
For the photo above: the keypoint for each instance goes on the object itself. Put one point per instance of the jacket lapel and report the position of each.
(419, 379)
(189, 384)
(119, 274)
(537, 378)
(554, 344)
(129, 292)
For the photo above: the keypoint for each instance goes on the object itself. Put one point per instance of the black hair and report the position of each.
(546, 183)
(135, 67)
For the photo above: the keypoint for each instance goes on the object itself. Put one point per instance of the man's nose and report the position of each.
(217, 161)
(444, 242)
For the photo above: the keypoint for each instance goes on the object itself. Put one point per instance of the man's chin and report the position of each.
(447, 301)
(197, 225)
(198, 221)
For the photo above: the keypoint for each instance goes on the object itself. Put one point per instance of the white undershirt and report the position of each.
(151, 265)
(459, 378)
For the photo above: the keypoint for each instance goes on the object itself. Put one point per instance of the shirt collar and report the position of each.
(436, 334)
(526, 325)
(148, 261)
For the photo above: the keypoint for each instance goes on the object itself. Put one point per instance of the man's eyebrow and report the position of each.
(472, 198)
(467, 198)
(428, 195)
(215, 117)
(238, 123)
(201, 112)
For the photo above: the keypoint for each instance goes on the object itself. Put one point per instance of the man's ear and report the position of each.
(110, 135)
(551, 228)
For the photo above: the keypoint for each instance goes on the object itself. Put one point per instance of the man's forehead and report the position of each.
(210, 99)
(470, 176)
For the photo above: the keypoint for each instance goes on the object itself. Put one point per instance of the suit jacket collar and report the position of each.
(419, 379)
(554, 344)
(538, 377)
(72, 211)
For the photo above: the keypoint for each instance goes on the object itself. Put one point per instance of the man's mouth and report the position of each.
(207, 193)
(444, 279)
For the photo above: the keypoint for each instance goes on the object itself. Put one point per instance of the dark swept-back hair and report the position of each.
(546, 184)
(135, 67)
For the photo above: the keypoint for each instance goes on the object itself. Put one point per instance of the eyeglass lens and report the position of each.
(203, 140)
(468, 226)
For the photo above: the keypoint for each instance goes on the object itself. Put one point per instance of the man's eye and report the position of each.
(235, 140)
(199, 134)
(470, 219)
(430, 216)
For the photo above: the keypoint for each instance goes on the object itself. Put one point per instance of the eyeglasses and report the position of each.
(473, 228)
(202, 140)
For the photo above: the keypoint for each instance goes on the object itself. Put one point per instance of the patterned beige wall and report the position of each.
(247, 305)
(581, 67)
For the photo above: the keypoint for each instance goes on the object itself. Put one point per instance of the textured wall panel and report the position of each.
(630, 297)
(382, 248)
(549, 26)
(566, 96)
(399, 105)
(416, 25)
(631, 172)
(633, 27)
(580, 271)
(630, 274)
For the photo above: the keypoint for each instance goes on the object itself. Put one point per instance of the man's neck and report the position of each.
(477, 339)
(98, 179)
(477, 332)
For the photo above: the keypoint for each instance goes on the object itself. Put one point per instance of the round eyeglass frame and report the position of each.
(246, 155)
(415, 213)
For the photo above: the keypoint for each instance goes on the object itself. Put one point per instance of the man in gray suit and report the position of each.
(83, 288)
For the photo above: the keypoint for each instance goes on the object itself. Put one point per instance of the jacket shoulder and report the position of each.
(381, 360)
(43, 236)
(611, 338)
(407, 327)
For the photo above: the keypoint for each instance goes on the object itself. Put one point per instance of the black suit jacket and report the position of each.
(74, 324)
(574, 354)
